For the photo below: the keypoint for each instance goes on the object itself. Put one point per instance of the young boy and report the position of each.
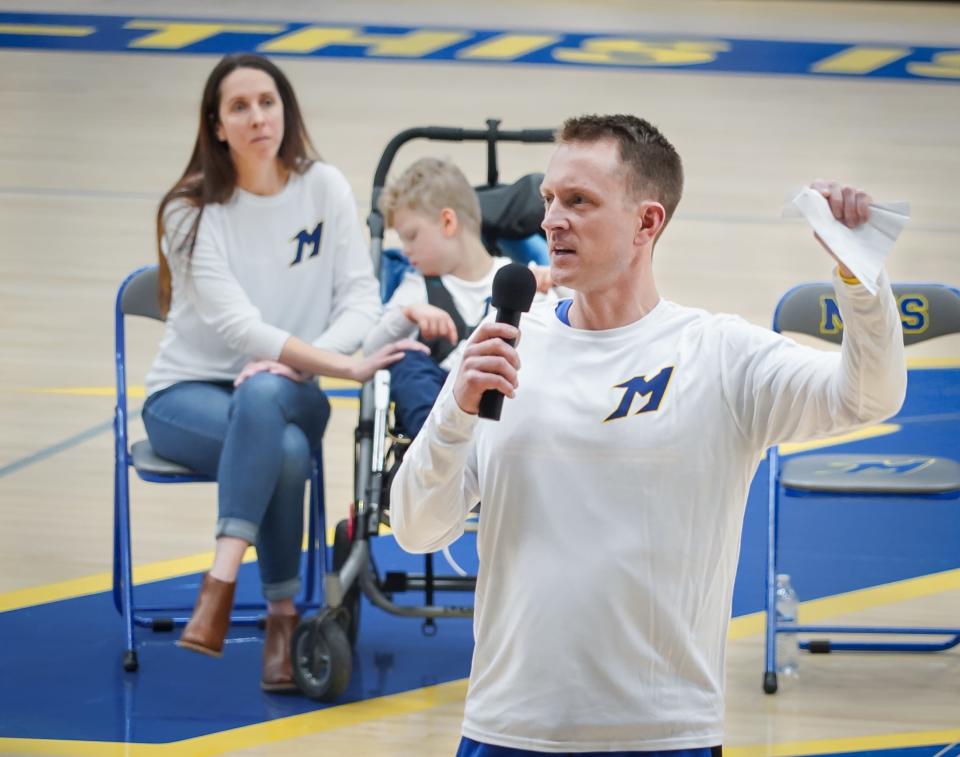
(437, 215)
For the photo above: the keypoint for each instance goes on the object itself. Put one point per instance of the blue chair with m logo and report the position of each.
(926, 311)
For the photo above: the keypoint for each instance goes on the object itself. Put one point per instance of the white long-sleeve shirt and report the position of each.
(265, 268)
(609, 531)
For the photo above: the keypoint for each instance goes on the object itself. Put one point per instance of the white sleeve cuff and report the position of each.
(452, 424)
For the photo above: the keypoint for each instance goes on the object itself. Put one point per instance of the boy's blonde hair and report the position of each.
(429, 186)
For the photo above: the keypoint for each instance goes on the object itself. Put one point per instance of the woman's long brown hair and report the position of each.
(210, 176)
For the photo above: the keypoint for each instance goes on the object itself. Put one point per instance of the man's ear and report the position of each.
(449, 222)
(651, 217)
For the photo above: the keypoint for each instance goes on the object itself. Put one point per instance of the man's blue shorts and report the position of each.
(471, 748)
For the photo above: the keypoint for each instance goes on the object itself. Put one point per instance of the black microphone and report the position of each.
(513, 289)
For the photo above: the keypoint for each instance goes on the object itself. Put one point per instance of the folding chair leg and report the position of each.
(117, 600)
(825, 646)
(130, 662)
(770, 657)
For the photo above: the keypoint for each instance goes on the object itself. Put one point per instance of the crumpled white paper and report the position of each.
(862, 249)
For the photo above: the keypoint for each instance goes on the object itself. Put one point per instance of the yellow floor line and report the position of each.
(133, 392)
(419, 700)
(257, 734)
(881, 429)
(849, 744)
(740, 627)
(886, 594)
(454, 692)
(136, 391)
(815, 610)
(99, 582)
(924, 363)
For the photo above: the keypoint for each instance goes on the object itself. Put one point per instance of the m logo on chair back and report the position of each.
(926, 311)
(893, 467)
(914, 314)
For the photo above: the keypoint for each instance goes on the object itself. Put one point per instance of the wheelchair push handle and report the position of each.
(540, 136)
(492, 134)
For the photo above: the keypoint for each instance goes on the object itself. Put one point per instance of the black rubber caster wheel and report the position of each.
(770, 683)
(321, 657)
(130, 663)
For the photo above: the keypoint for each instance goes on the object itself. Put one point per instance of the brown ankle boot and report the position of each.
(277, 670)
(211, 617)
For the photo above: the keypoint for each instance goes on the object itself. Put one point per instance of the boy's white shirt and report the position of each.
(469, 298)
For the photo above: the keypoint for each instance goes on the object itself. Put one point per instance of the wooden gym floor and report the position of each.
(98, 117)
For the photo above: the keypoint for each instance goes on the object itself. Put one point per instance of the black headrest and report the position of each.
(512, 211)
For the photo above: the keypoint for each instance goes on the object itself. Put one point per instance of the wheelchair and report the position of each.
(321, 646)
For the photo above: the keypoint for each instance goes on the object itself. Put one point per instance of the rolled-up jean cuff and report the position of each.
(241, 529)
(283, 590)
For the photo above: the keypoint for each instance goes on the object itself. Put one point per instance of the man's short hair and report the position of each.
(654, 169)
(429, 186)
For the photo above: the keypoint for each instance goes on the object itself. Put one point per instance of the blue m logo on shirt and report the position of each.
(303, 239)
(641, 386)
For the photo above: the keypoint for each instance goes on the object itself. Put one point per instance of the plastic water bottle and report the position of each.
(788, 665)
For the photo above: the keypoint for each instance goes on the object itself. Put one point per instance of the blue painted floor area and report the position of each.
(60, 674)
(62, 679)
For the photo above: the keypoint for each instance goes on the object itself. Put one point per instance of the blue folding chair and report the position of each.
(927, 311)
(137, 296)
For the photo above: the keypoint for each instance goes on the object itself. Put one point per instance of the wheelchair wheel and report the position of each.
(321, 658)
(350, 620)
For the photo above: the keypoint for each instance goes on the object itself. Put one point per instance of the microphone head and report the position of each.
(513, 288)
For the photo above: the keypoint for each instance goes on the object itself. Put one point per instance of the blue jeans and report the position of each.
(257, 441)
(415, 384)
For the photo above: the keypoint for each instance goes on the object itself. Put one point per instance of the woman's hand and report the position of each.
(364, 367)
(269, 366)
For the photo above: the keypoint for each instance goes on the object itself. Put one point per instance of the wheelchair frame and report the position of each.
(357, 573)
(371, 433)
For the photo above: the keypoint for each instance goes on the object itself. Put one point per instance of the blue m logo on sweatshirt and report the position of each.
(641, 386)
(303, 239)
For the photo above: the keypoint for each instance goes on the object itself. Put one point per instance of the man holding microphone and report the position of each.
(614, 484)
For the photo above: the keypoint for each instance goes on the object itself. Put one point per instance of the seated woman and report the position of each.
(266, 283)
